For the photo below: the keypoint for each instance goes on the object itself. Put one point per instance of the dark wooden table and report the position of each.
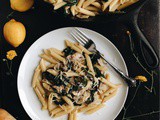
(41, 20)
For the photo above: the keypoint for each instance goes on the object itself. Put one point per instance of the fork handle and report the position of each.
(130, 81)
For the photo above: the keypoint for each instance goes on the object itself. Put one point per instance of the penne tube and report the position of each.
(50, 66)
(61, 113)
(114, 7)
(59, 5)
(65, 108)
(55, 111)
(87, 3)
(47, 87)
(109, 96)
(96, 4)
(42, 65)
(53, 72)
(59, 52)
(46, 81)
(70, 116)
(35, 76)
(83, 49)
(72, 46)
(73, 10)
(86, 108)
(75, 115)
(70, 74)
(127, 4)
(110, 91)
(41, 98)
(40, 88)
(106, 4)
(123, 1)
(80, 3)
(68, 101)
(89, 63)
(48, 58)
(46, 51)
(95, 109)
(82, 16)
(51, 105)
(86, 12)
(113, 3)
(56, 56)
(102, 68)
(92, 8)
(107, 76)
(108, 83)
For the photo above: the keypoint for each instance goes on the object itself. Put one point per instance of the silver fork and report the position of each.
(80, 37)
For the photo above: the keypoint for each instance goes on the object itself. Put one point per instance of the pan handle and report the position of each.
(146, 50)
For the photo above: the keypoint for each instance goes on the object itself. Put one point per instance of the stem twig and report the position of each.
(141, 115)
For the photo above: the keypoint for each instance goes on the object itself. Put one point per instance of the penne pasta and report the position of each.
(95, 109)
(59, 52)
(87, 3)
(110, 91)
(61, 113)
(35, 76)
(51, 105)
(85, 12)
(83, 49)
(106, 4)
(92, 8)
(64, 81)
(70, 116)
(89, 63)
(102, 68)
(71, 45)
(82, 16)
(48, 58)
(40, 88)
(42, 65)
(53, 72)
(109, 96)
(56, 56)
(84, 9)
(114, 7)
(126, 4)
(55, 111)
(75, 115)
(86, 108)
(47, 87)
(108, 83)
(73, 10)
(59, 5)
(68, 101)
(41, 98)
(107, 76)
(80, 3)
(96, 4)
(50, 66)
(70, 74)
(46, 51)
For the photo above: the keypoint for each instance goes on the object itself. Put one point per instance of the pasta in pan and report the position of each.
(71, 81)
(86, 8)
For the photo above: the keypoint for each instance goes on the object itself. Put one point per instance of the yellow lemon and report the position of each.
(14, 32)
(21, 5)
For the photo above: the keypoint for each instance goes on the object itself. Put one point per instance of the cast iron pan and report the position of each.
(145, 50)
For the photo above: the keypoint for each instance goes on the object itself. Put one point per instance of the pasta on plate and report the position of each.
(71, 81)
(86, 8)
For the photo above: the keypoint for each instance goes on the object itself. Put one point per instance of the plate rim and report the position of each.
(95, 32)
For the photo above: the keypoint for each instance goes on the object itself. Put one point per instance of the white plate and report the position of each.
(56, 39)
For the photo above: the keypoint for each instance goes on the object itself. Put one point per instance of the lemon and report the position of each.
(14, 32)
(21, 5)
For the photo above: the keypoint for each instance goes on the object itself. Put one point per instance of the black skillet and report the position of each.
(129, 18)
